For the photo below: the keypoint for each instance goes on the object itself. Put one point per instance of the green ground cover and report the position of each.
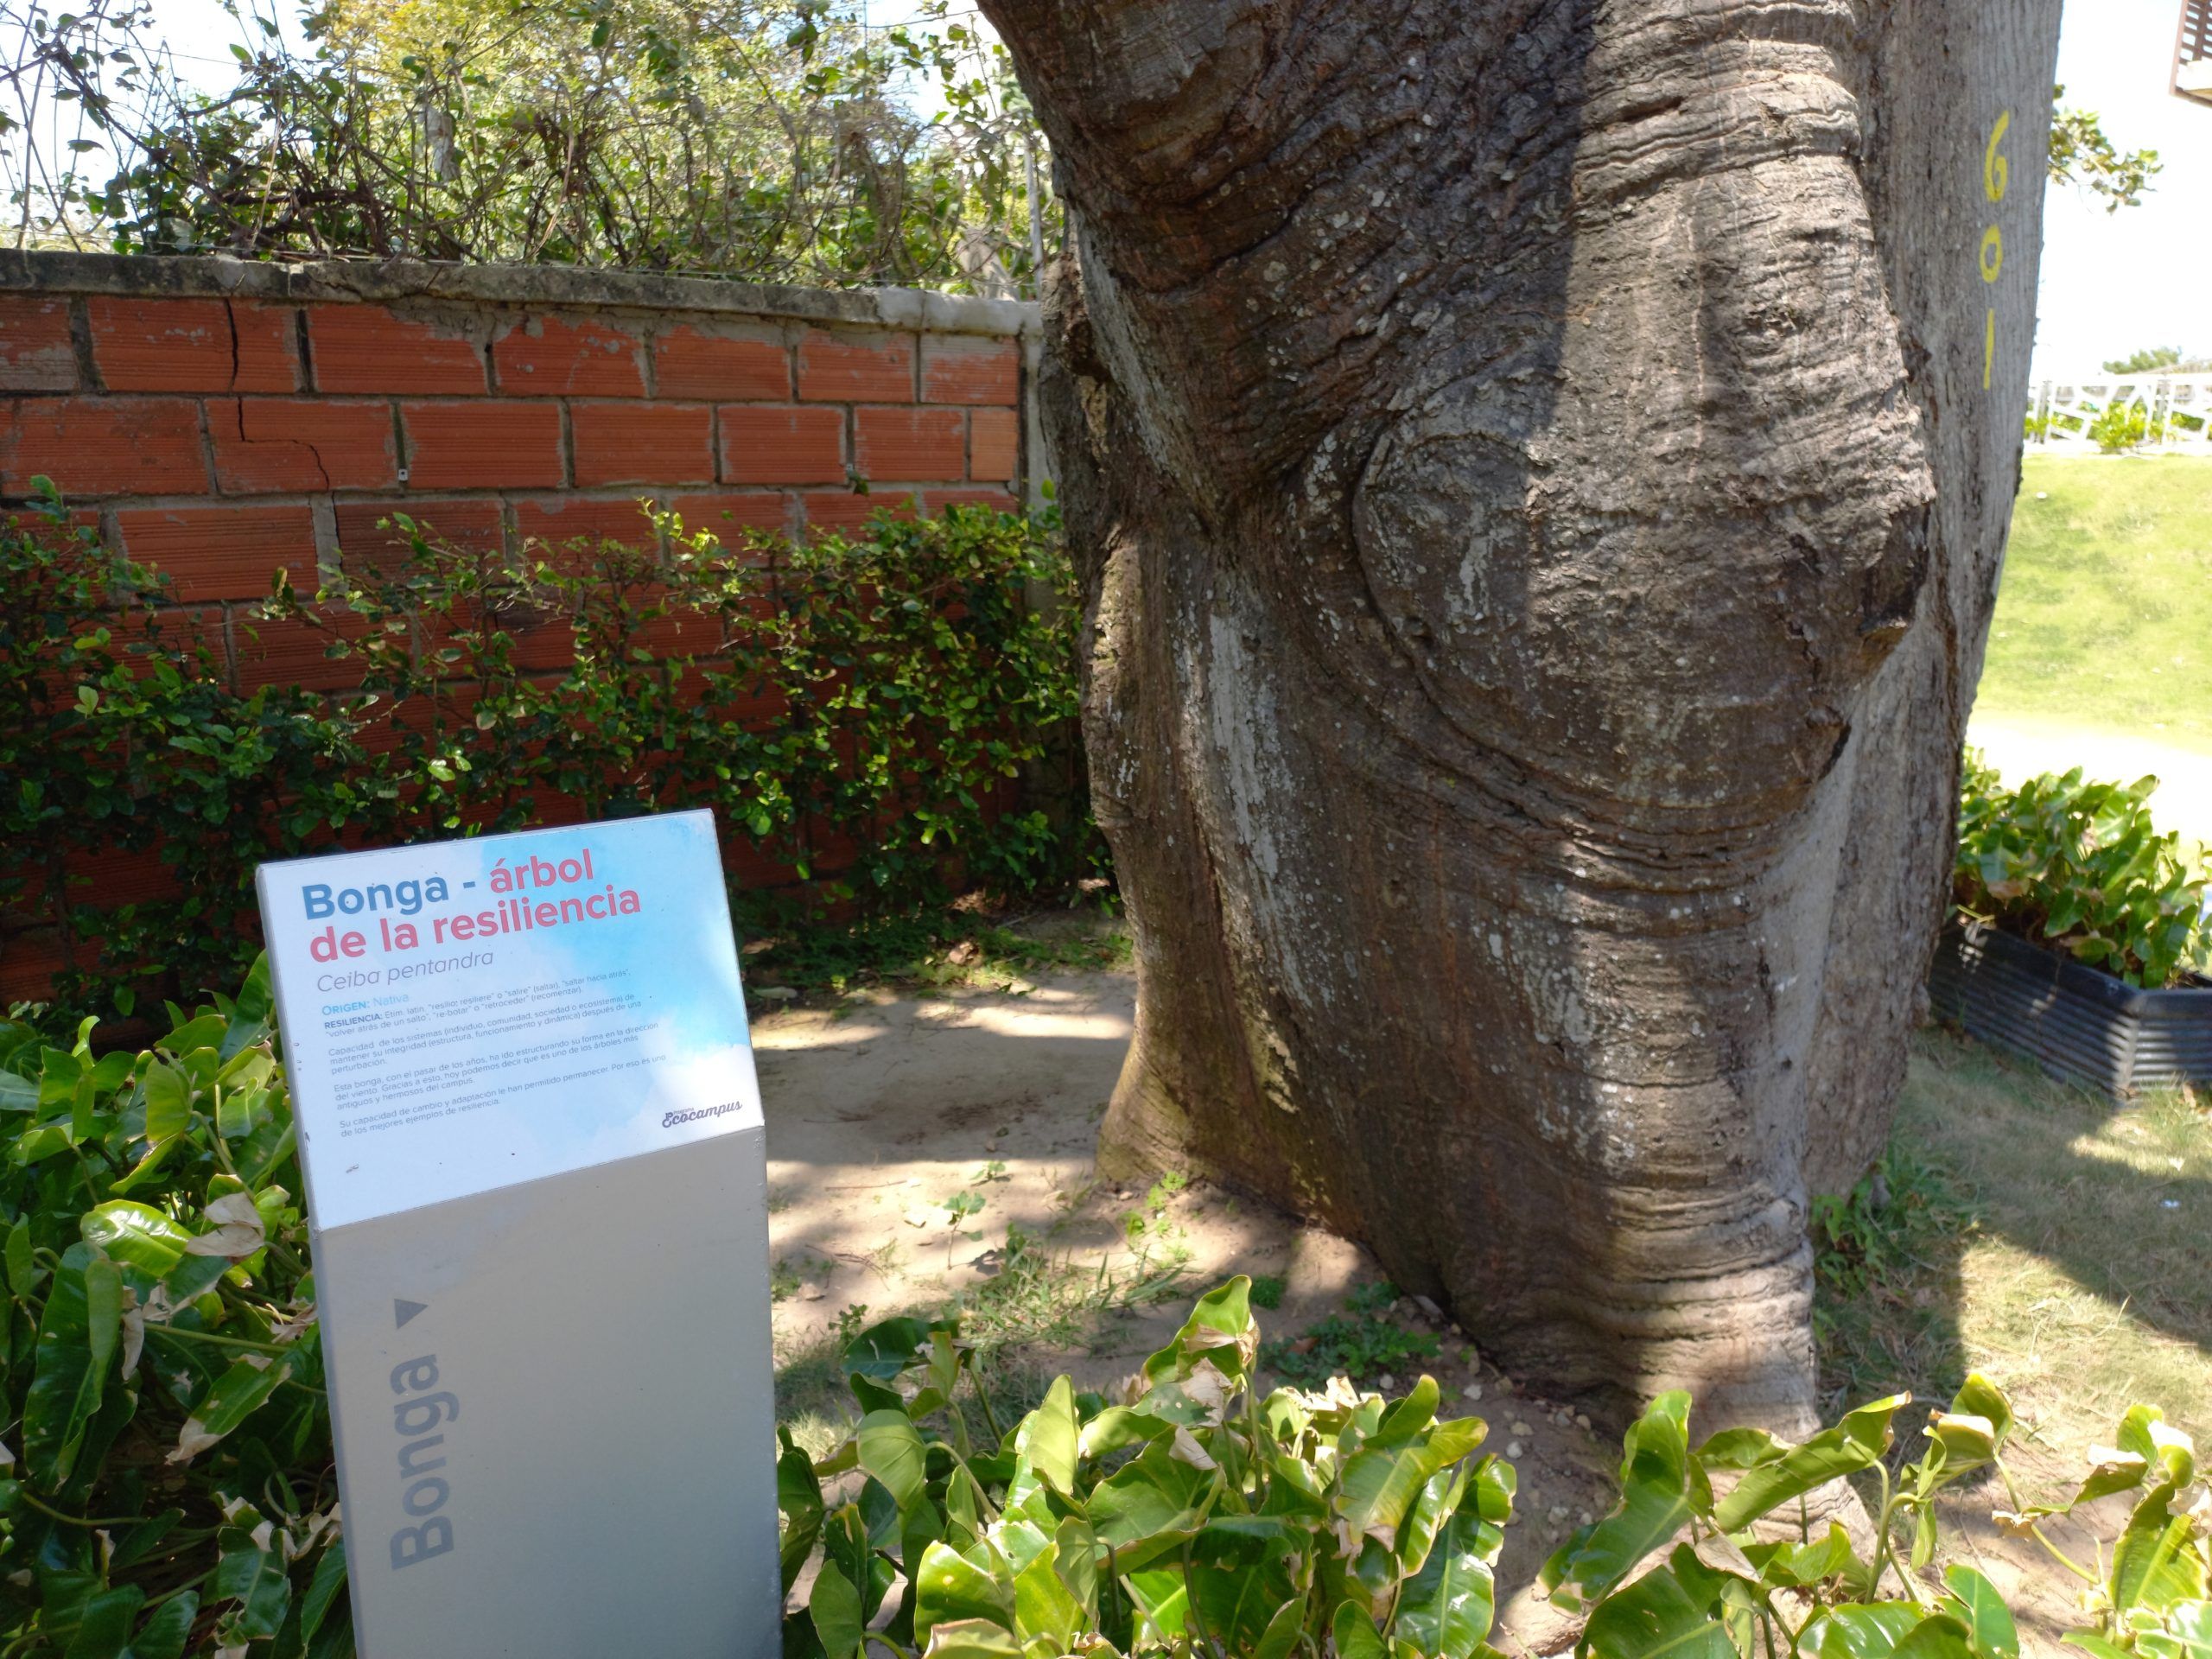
(2104, 618)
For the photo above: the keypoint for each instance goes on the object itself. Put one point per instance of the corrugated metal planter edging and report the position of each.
(2080, 1026)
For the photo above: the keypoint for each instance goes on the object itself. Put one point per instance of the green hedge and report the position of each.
(860, 713)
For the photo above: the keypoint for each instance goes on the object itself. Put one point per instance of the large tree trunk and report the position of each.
(1539, 505)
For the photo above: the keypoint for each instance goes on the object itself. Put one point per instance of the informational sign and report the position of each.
(535, 1172)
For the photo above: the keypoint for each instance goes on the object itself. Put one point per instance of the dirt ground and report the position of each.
(880, 1110)
(908, 1134)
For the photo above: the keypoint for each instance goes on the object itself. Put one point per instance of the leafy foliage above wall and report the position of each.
(777, 143)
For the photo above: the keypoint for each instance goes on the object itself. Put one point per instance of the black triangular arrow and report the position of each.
(403, 1311)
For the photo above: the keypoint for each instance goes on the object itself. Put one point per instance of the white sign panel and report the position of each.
(537, 1174)
(467, 1014)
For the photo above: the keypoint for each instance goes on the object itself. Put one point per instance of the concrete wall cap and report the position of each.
(339, 281)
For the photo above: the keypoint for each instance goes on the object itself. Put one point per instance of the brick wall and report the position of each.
(225, 418)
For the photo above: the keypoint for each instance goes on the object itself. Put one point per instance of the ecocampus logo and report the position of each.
(670, 1119)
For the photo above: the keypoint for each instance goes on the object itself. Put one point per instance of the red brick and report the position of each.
(993, 445)
(192, 344)
(721, 368)
(263, 445)
(29, 961)
(970, 368)
(543, 641)
(552, 357)
(103, 446)
(189, 637)
(474, 525)
(728, 516)
(223, 552)
(997, 500)
(289, 652)
(681, 633)
(782, 446)
(643, 444)
(36, 354)
(905, 444)
(853, 368)
(753, 870)
(482, 446)
(847, 511)
(571, 517)
(367, 349)
(114, 876)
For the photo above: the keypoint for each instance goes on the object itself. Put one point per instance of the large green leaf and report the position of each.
(1118, 1427)
(1238, 1580)
(168, 1100)
(2188, 1634)
(1162, 1596)
(104, 1622)
(1043, 1606)
(1853, 1444)
(1438, 1503)
(1380, 1484)
(253, 1577)
(891, 1449)
(1979, 1397)
(1047, 1436)
(949, 1587)
(1154, 1494)
(1656, 1618)
(136, 1234)
(1656, 1499)
(324, 1588)
(835, 1607)
(1445, 1610)
(1940, 1636)
(1864, 1630)
(2156, 1562)
(1355, 1635)
(799, 1495)
(1281, 1638)
(251, 1012)
(1219, 1328)
(884, 1350)
(1982, 1611)
(164, 1634)
(237, 1395)
(972, 1639)
(77, 1339)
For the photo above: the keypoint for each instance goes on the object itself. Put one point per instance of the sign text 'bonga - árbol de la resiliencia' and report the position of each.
(534, 893)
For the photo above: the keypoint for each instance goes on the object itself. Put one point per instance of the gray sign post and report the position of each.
(537, 1175)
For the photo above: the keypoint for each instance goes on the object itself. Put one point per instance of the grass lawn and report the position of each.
(2104, 618)
(2061, 1245)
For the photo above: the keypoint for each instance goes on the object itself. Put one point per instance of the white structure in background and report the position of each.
(2193, 52)
(2175, 411)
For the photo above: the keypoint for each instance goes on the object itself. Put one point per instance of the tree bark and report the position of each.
(1538, 505)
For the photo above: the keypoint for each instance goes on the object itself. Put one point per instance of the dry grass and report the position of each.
(2060, 1244)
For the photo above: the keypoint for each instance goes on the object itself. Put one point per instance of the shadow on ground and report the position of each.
(926, 1153)
(2061, 1245)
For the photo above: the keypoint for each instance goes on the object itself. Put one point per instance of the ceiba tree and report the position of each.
(1539, 471)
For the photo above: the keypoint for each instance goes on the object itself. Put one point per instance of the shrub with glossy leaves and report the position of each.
(2079, 866)
(170, 1485)
(1200, 1516)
